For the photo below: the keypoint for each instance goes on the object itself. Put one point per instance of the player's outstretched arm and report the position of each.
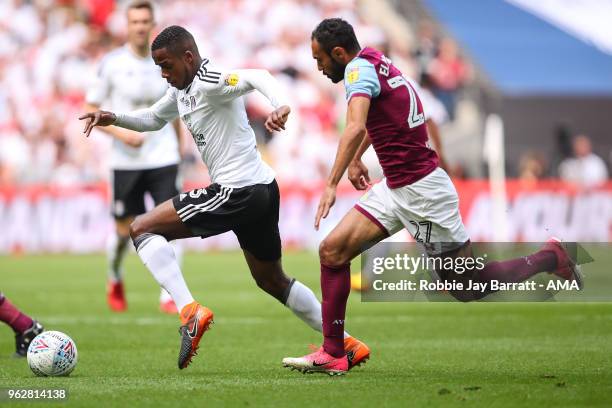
(349, 143)
(142, 120)
(130, 138)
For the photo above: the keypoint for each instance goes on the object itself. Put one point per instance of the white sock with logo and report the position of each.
(305, 305)
(158, 256)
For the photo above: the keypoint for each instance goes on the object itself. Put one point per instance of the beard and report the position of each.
(337, 72)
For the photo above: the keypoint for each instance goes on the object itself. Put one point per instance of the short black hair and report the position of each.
(336, 32)
(176, 39)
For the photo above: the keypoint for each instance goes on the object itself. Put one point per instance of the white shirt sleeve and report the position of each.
(99, 91)
(153, 118)
(236, 83)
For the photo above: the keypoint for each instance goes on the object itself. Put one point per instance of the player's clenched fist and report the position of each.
(99, 118)
(277, 119)
(358, 175)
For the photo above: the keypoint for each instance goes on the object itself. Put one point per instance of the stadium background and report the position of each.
(545, 75)
(517, 80)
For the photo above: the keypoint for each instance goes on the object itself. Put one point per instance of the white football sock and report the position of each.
(164, 296)
(178, 251)
(158, 256)
(305, 305)
(116, 247)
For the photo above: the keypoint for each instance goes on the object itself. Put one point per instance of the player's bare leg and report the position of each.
(300, 299)
(352, 235)
(269, 276)
(117, 246)
(151, 233)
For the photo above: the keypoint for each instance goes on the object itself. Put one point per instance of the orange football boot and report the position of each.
(196, 319)
(356, 351)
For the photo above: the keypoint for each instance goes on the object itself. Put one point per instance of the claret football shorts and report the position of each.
(428, 209)
(250, 212)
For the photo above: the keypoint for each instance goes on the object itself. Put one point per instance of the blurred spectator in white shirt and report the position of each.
(585, 168)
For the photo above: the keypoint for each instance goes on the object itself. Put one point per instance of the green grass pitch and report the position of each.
(423, 354)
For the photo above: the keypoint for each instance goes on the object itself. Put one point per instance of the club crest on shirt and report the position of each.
(232, 80)
(353, 75)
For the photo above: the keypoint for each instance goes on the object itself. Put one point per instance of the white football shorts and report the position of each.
(428, 209)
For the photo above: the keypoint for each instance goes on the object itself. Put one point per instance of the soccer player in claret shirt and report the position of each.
(128, 79)
(385, 110)
(24, 326)
(243, 197)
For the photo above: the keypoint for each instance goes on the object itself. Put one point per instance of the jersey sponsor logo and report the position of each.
(200, 140)
(353, 75)
(232, 80)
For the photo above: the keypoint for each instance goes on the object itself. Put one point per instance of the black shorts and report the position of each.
(130, 186)
(250, 212)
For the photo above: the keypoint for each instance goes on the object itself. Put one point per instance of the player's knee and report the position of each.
(332, 253)
(137, 227)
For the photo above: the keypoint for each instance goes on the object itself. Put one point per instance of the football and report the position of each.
(51, 354)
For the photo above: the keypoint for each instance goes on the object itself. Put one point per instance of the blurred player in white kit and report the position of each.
(128, 79)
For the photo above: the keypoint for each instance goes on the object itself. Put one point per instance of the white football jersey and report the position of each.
(127, 82)
(213, 110)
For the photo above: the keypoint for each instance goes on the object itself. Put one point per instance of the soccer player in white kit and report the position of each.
(128, 79)
(243, 197)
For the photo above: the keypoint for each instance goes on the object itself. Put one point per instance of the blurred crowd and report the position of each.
(50, 50)
(581, 166)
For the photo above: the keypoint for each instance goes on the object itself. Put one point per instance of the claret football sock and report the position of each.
(305, 305)
(158, 256)
(12, 316)
(116, 246)
(519, 269)
(335, 286)
(514, 270)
